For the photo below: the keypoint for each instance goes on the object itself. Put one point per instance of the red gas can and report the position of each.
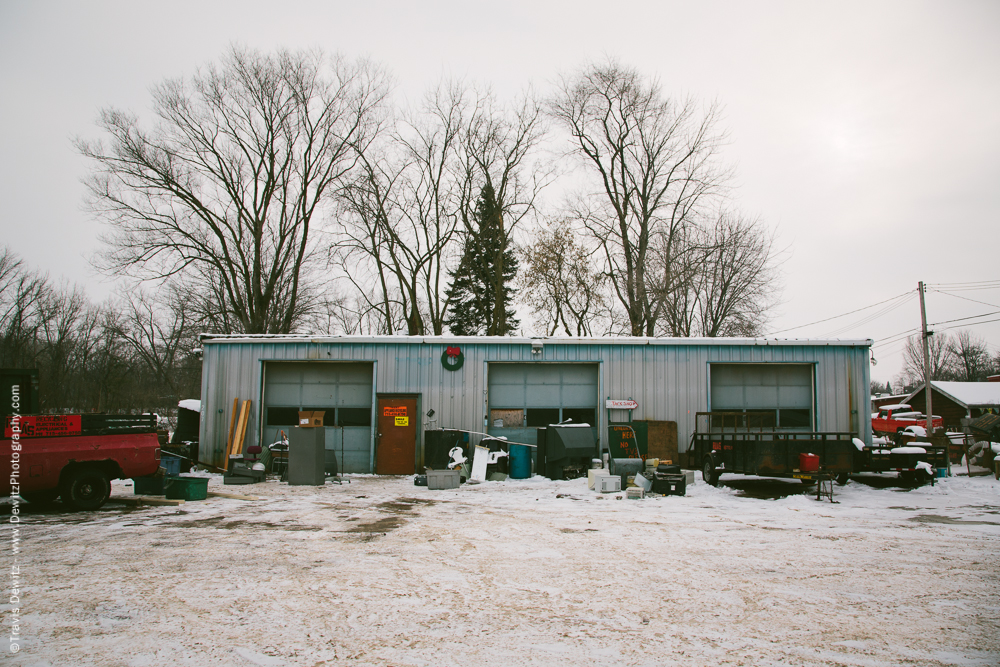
(808, 463)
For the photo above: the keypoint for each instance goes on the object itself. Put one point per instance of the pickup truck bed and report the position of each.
(79, 463)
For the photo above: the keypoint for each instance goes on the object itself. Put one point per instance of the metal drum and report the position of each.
(520, 462)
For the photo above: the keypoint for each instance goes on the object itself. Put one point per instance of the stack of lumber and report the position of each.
(237, 429)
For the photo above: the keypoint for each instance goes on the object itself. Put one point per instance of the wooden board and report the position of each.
(661, 440)
(232, 496)
(241, 430)
(232, 424)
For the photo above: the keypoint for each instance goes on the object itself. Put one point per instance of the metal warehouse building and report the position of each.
(371, 387)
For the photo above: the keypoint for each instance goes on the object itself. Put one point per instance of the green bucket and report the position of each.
(186, 488)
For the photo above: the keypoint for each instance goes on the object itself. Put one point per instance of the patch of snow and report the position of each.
(860, 444)
(908, 450)
(192, 404)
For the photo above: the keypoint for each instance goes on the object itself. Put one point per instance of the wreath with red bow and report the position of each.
(452, 358)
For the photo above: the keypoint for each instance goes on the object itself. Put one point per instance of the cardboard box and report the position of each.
(311, 419)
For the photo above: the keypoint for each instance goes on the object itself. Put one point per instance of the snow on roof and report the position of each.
(895, 406)
(507, 340)
(969, 394)
(190, 404)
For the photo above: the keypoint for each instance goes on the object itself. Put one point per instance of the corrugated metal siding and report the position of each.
(669, 379)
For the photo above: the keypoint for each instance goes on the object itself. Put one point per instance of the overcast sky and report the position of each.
(866, 133)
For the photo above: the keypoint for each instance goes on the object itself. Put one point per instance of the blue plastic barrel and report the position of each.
(520, 462)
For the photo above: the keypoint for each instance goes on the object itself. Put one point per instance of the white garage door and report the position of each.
(342, 391)
(779, 395)
(525, 396)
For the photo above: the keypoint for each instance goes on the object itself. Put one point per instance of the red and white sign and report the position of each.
(618, 404)
(42, 426)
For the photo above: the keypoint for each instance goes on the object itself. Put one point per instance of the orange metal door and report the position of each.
(397, 436)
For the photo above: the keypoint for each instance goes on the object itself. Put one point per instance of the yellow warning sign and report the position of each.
(402, 421)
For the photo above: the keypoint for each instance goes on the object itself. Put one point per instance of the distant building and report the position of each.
(954, 401)
(886, 399)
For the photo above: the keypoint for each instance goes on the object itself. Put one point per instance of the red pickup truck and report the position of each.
(891, 419)
(43, 457)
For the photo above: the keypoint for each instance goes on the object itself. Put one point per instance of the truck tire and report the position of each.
(41, 498)
(87, 488)
(843, 478)
(708, 472)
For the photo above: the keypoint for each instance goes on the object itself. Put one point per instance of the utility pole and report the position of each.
(924, 335)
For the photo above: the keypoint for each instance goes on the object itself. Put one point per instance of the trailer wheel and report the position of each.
(41, 498)
(843, 478)
(87, 488)
(709, 473)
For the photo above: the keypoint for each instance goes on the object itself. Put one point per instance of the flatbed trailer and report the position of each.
(732, 443)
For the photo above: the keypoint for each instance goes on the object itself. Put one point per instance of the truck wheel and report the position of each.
(709, 473)
(41, 498)
(87, 488)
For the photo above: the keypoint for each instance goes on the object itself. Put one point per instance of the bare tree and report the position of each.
(562, 284)
(653, 166)
(162, 332)
(913, 359)
(736, 283)
(413, 198)
(21, 293)
(229, 185)
(969, 357)
(496, 155)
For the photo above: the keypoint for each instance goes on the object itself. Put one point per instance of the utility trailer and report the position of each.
(743, 443)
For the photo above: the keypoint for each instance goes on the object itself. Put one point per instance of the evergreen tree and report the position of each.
(480, 295)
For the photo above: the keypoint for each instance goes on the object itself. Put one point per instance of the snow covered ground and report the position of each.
(379, 572)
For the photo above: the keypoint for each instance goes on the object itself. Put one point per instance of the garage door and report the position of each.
(342, 391)
(777, 395)
(525, 396)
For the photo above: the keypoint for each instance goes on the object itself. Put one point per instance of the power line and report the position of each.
(801, 326)
(971, 324)
(987, 284)
(872, 317)
(895, 337)
(966, 298)
(962, 319)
